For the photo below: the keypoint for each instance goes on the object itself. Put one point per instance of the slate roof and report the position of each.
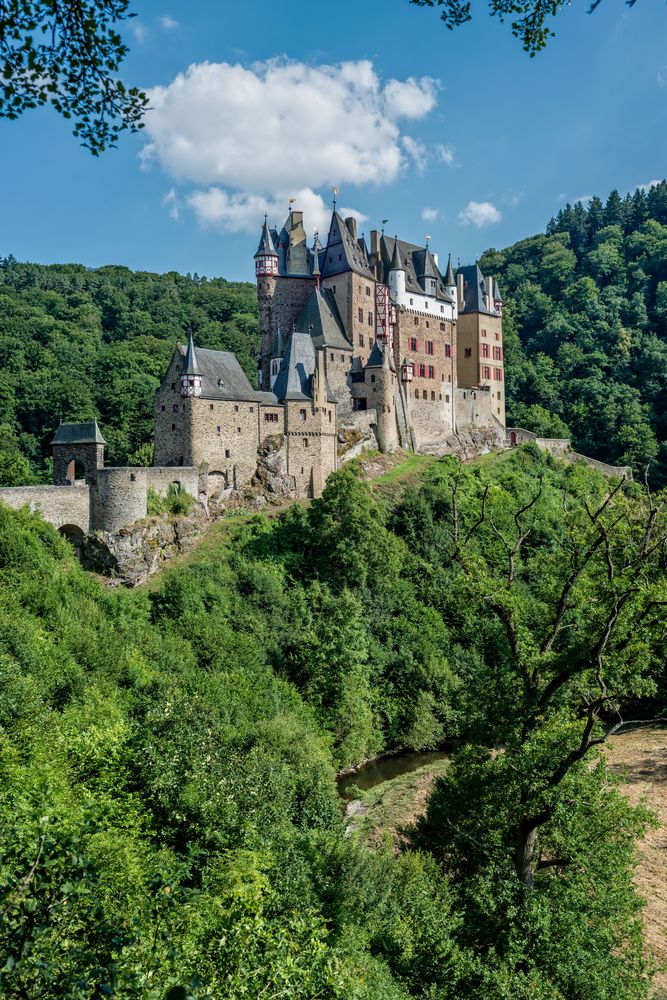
(417, 262)
(222, 376)
(294, 378)
(321, 319)
(376, 357)
(84, 433)
(497, 297)
(449, 278)
(266, 244)
(190, 365)
(342, 244)
(474, 291)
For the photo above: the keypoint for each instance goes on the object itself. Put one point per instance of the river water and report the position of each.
(386, 768)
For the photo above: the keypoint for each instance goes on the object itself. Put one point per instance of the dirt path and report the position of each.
(642, 757)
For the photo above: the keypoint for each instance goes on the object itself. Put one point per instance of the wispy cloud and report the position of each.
(171, 201)
(648, 185)
(430, 214)
(480, 214)
(139, 31)
(168, 23)
(661, 77)
(446, 154)
(416, 150)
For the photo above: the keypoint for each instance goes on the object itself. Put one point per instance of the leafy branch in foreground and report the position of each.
(67, 54)
(529, 16)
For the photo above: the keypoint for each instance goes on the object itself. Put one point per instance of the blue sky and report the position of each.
(458, 135)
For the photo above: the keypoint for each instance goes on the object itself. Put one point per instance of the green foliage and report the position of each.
(169, 824)
(586, 328)
(175, 501)
(67, 55)
(81, 345)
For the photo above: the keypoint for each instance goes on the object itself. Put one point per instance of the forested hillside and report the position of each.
(585, 328)
(169, 827)
(80, 344)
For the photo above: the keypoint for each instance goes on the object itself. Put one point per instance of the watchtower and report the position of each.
(77, 444)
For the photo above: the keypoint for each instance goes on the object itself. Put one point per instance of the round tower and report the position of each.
(396, 276)
(383, 397)
(266, 272)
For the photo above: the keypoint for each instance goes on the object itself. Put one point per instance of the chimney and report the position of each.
(375, 242)
(297, 219)
(351, 224)
(489, 293)
(459, 286)
(436, 260)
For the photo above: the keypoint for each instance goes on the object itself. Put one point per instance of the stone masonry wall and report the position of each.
(173, 431)
(338, 365)
(430, 401)
(280, 302)
(311, 444)
(160, 479)
(91, 456)
(59, 505)
(118, 497)
(225, 437)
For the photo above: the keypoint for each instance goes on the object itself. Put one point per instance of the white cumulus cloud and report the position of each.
(480, 214)
(430, 214)
(168, 23)
(649, 185)
(172, 202)
(250, 137)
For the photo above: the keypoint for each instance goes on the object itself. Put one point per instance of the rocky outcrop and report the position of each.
(134, 553)
(271, 476)
(468, 443)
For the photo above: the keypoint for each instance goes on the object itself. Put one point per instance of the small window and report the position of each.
(412, 302)
(333, 287)
(361, 340)
(238, 430)
(427, 324)
(422, 371)
(442, 309)
(416, 321)
(305, 442)
(432, 397)
(173, 427)
(267, 417)
(370, 319)
(331, 357)
(499, 396)
(218, 428)
(484, 333)
(416, 393)
(485, 350)
(468, 352)
(440, 396)
(251, 409)
(340, 256)
(426, 305)
(372, 378)
(329, 416)
(446, 399)
(175, 407)
(173, 385)
(497, 336)
(133, 477)
(236, 407)
(448, 350)
(342, 358)
(413, 344)
(368, 289)
(210, 406)
(431, 371)
(228, 453)
(361, 314)
(302, 414)
(424, 394)
(163, 408)
(429, 347)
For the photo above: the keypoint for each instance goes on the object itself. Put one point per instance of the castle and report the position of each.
(373, 338)
(358, 342)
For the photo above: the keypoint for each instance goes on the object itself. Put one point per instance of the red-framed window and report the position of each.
(429, 347)
(431, 371)
(486, 371)
(414, 346)
(484, 333)
(448, 350)
(422, 371)
(498, 374)
(485, 350)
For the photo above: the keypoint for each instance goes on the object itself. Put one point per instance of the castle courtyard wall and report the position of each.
(59, 505)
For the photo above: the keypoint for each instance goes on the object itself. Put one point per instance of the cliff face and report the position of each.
(134, 553)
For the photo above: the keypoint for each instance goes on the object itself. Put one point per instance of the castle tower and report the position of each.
(381, 395)
(191, 375)
(480, 361)
(266, 272)
(450, 284)
(396, 276)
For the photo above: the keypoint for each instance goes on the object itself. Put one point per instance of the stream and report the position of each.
(385, 769)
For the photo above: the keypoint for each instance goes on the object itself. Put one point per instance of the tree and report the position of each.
(67, 55)
(530, 22)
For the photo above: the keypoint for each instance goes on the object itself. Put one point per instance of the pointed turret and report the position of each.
(266, 258)
(450, 281)
(190, 373)
(396, 276)
(497, 299)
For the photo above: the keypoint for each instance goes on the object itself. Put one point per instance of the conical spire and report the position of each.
(396, 264)
(450, 280)
(191, 365)
(266, 245)
(497, 297)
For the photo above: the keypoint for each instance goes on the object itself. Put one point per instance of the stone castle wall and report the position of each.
(59, 505)
(280, 302)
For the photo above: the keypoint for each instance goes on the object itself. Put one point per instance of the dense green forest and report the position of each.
(169, 825)
(80, 344)
(585, 328)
